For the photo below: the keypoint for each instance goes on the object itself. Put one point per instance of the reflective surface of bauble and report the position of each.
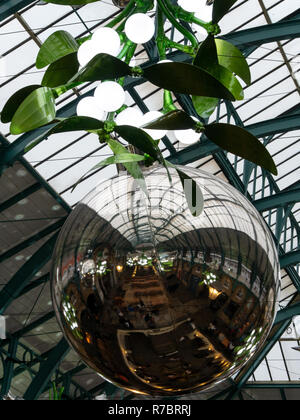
(158, 301)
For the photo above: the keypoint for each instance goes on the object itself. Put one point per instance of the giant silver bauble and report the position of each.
(158, 301)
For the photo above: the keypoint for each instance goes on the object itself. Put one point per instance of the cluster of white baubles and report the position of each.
(110, 96)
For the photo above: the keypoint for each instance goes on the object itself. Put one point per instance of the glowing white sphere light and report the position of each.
(187, 136)
(107, 41)
(86, 52)
(198, 6)
(130, 116)
(88, 107)
(139, 28)
(151, 116)
(110, 96)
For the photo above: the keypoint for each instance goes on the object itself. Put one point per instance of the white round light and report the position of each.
(110, 96)
(86, 52)
(199, 6)
(130, 116)
(88, 107)
(187, 136)
(205, 13)
(107, 41)
(151, 116)
(139, 28)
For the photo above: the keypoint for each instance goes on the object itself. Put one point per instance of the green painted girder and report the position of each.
(24, 275)
(47, 368)
(290, 258)
(25, 330)
(20, 196)
(9, 7)
(272, 385)
(34, 238)
(5, 145)
(278, 200)
(206, 147)
(287, 313)
(8, 368)
(288, 28)
(251, 366)
(35, 283)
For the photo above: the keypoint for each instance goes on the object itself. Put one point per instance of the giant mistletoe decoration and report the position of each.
(210, 73)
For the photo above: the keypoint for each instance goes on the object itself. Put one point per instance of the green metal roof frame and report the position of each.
(23, 281)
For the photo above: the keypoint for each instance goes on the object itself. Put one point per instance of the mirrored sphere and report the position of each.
(155, 300)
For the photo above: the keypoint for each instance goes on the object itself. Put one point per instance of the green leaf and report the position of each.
(138, 138)
(207, 56)
(15, 101)
(71, 2)
(35, 111)
(192, 191)
(232, 58)
(132, 167)
(187, 79)
(102, 67)
(174, 120)
(66, 125)
(60, 72)
(240, 142)
(221, 8)
(125, 158)
(204, 106)
(207, 59)
(58, 45)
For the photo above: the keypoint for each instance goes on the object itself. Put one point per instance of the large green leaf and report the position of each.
(221, 8)
(102, 67)
(174, 120)
(68, 124)
(240, 142)
(230, 57)
(60, 72)
(15, 101)
(207, 56)
(71, 2)
(58, 45)
(113, 160)
(132, 167)
(204, 106)
(192, 191)
(187, 79)
(207, 59)
(138, 138)
(35, 111)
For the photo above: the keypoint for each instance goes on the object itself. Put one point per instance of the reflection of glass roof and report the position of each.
(36, 196)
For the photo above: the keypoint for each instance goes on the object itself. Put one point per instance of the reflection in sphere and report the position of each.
(155, 300)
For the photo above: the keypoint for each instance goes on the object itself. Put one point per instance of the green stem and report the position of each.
(124, 14)
(168, 9)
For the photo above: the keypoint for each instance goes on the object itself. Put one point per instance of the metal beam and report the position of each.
(23, 331)
(8, 368)
(20, 196)
(30, 241)
(206, 147)
(285, 29)
(287, 313)
(278, 200)
(23, 276)
(290, 258)
(9, 7)
(251, 366)
(46, 370)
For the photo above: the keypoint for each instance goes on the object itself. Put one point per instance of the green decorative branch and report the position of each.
(213, 76)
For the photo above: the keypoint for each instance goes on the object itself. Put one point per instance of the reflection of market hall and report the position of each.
(174, 316)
